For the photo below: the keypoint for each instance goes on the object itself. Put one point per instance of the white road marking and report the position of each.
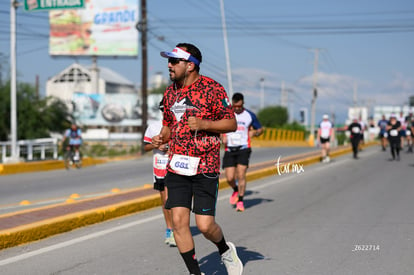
(75, 241)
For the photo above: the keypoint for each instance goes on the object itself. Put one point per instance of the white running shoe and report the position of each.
(171, 239)
(168, 233)
(232, 262)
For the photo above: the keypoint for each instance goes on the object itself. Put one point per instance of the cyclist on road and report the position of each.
(74, 133)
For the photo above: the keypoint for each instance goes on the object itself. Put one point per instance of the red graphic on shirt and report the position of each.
(205, 99)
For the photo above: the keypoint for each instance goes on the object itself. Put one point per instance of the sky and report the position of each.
(365, 49)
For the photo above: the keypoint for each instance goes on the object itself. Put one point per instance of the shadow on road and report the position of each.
(211, 264)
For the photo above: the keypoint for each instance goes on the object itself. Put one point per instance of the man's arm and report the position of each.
(256, 128)
(150, 146)
(219, 126)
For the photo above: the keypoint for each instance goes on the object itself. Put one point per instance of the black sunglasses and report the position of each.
(174, 60)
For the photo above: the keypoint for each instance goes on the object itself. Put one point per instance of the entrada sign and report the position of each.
(35, 5)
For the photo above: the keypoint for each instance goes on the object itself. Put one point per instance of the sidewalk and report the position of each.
(34, 224)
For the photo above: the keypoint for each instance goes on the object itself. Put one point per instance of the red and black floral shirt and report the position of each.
(205, 99)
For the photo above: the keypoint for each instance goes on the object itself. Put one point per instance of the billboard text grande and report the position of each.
(115, 17)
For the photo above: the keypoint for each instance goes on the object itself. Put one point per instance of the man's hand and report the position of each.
(196, 123)
(164, 147)
(157, 141)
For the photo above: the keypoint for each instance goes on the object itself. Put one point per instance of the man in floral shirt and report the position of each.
(196, 112)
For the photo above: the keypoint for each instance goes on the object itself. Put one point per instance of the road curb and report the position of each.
(43, 229)
(47, 165)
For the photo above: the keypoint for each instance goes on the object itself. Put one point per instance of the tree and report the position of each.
(273, 116)
(36, 118)
(160, 90)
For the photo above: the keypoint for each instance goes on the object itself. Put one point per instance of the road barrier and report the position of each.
(280, 137)
(273, 134)
(31, 149)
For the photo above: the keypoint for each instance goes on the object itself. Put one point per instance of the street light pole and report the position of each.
(226, 49)
(262, 93)
(13, 88)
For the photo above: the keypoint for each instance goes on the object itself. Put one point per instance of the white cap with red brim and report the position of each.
(180, 53)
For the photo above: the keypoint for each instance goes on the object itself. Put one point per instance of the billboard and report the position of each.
(102, 28)
(112, 109)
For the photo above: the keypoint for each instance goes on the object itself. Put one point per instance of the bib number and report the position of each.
(160, 165)
(235, 139)
(393, 133)
(355, 130)
(184, 165)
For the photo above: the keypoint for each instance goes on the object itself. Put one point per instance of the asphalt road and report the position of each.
(50, 187)
(345, 217)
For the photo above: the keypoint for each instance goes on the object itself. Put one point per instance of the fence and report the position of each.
(33, 149)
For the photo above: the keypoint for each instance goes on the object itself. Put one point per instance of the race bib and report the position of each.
(235, 139)
(355, 130)
(393, 133)
(184, 165)
(160, 165)
(160, 161)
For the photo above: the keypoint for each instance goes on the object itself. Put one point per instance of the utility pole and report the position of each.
(314, 96)
(13, 85)
(355, 94)
(283, 95)
(226, 49)
(95, 75)
(261, 93)
(142, 27)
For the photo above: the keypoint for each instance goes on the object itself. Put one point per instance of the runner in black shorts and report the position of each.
(324, 140)
(238, 156)
(204, 188)
(238, 150)
(196, 111)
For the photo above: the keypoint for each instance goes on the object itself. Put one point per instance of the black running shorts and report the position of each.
(159, 184)
(324, 140)
(202, 188)
(231, 159)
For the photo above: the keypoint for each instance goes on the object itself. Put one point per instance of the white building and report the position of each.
(78, 78)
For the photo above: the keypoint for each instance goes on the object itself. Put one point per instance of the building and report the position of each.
(100, 98)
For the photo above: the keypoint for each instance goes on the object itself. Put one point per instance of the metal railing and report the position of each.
(31, 149)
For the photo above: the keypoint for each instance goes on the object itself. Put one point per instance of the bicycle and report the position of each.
(71, 160)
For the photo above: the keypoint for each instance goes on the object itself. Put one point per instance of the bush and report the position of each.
(341, 137)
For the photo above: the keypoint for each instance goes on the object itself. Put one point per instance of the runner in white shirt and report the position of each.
(409, 123)
(238, 149)
(402, 133)
(325, 134)
(160, 160)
